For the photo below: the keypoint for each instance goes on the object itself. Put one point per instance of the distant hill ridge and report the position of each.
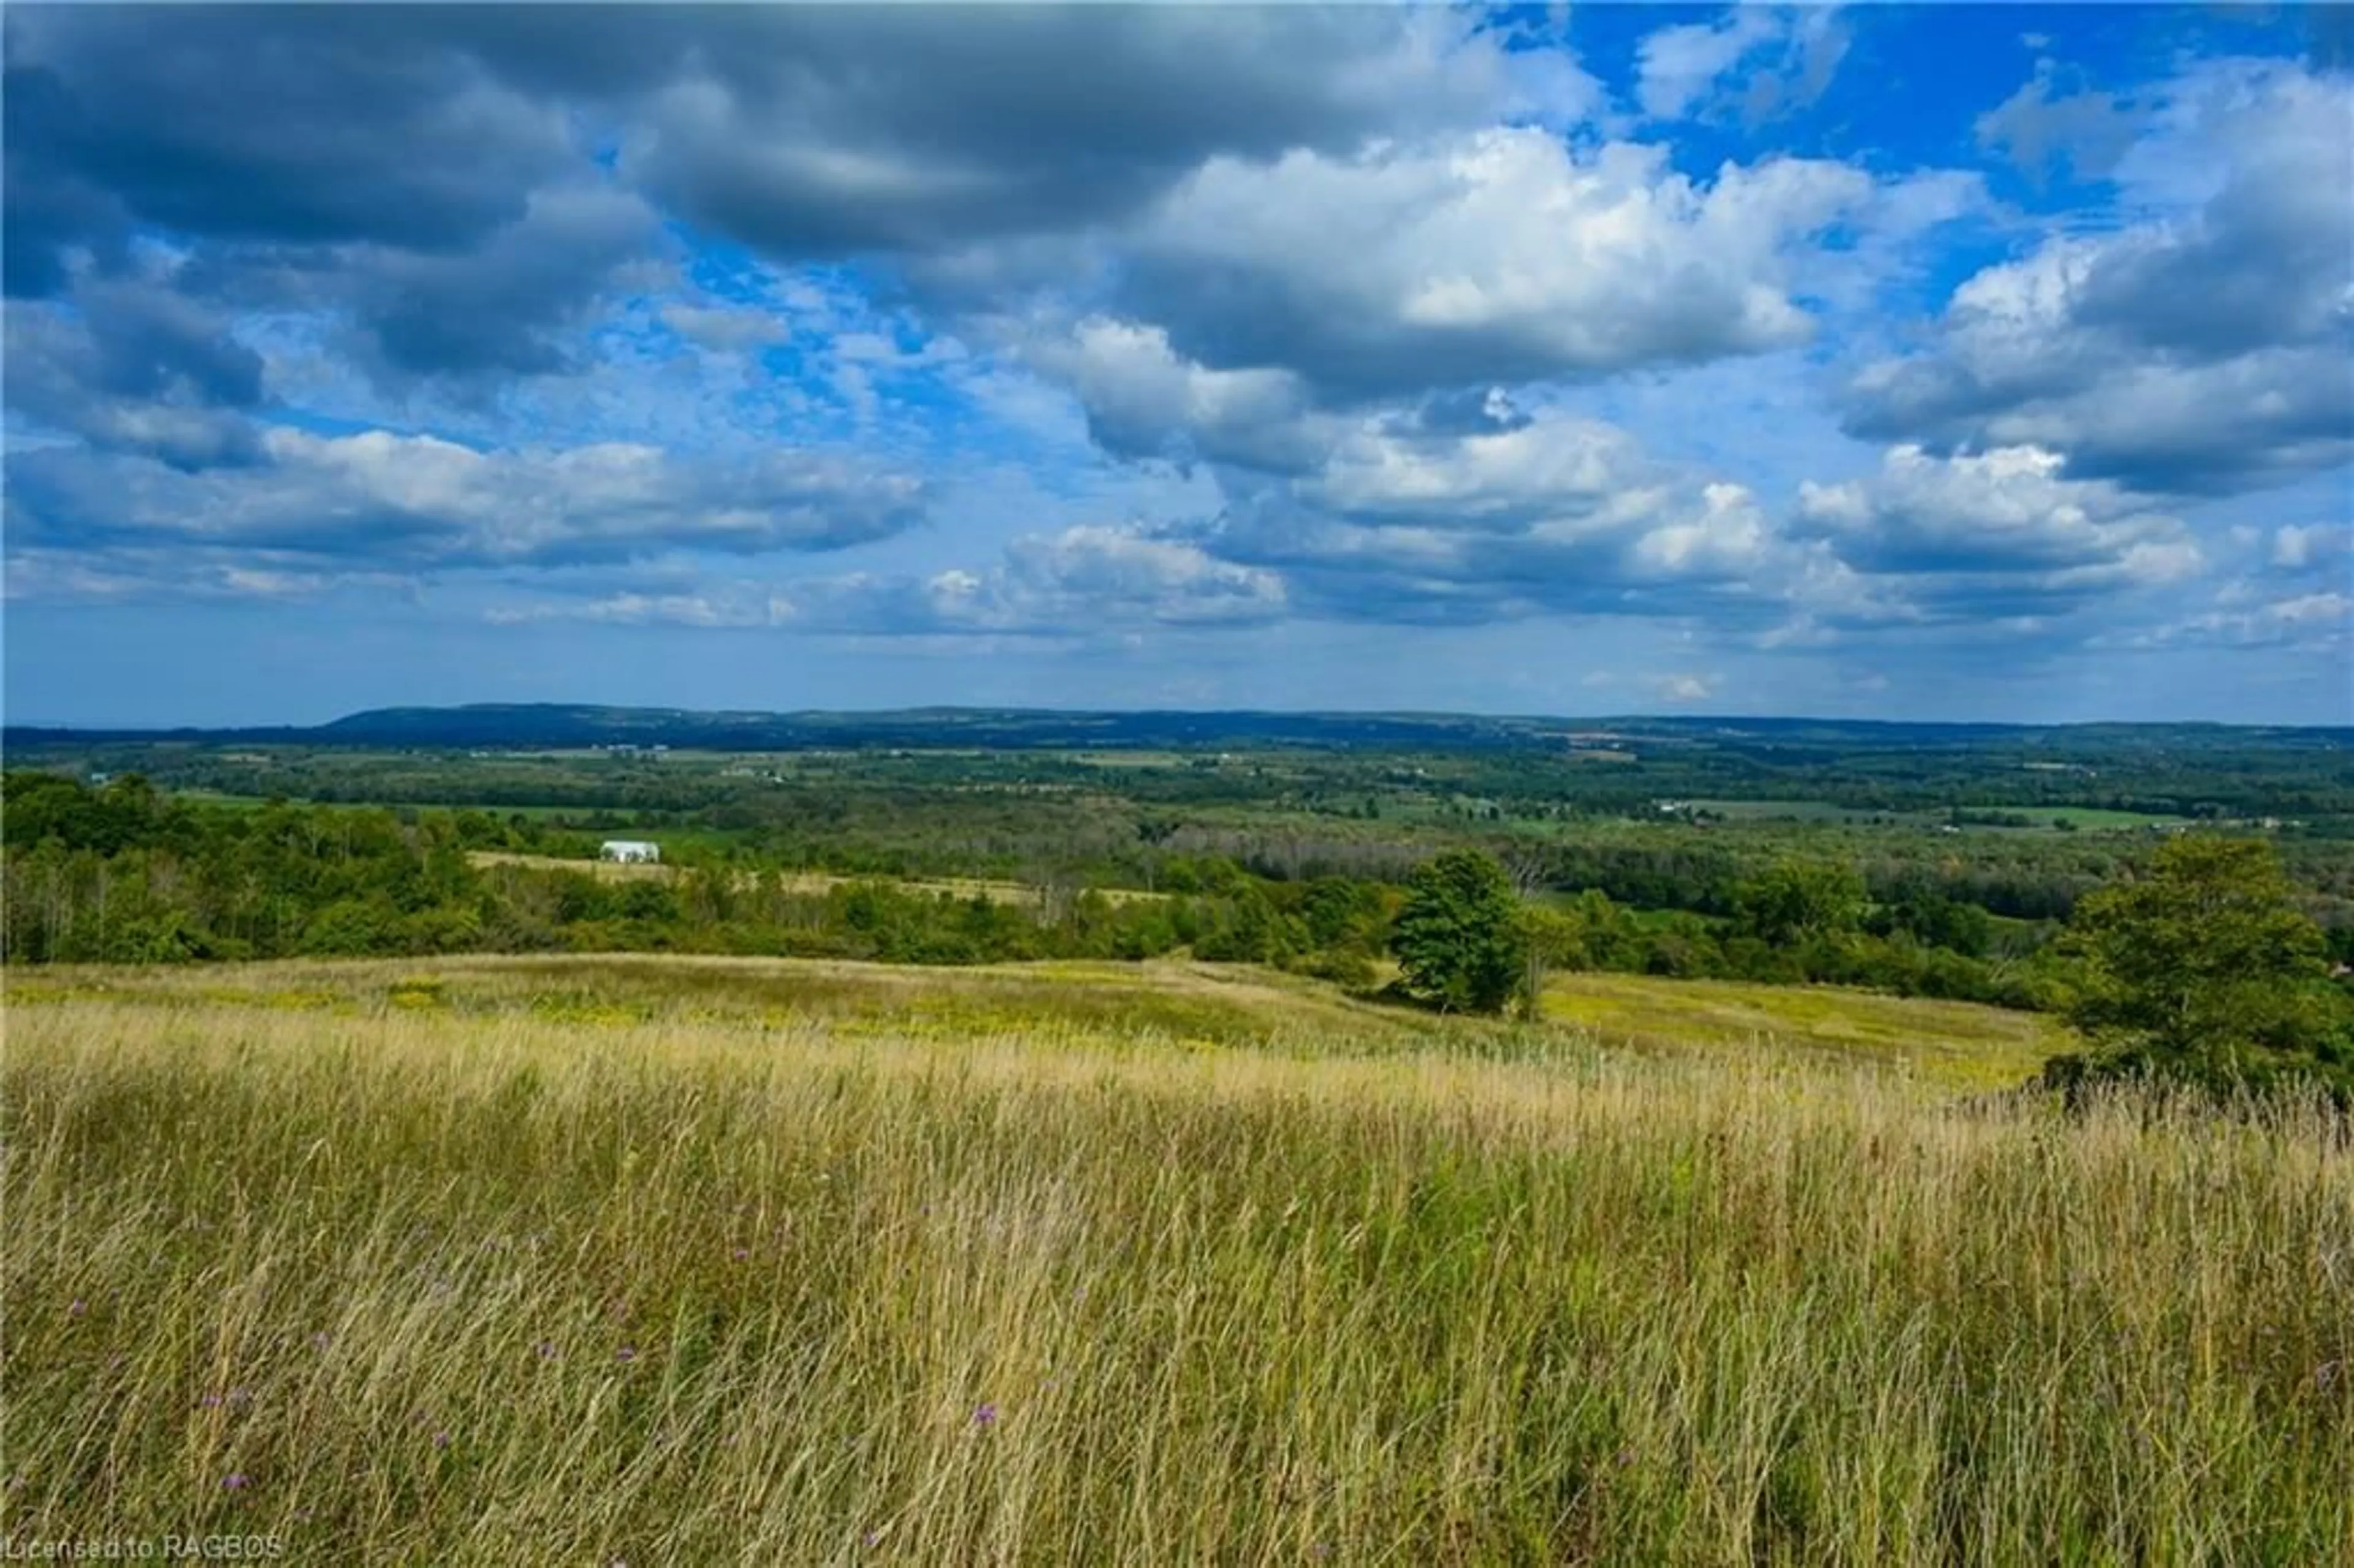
(567, 724)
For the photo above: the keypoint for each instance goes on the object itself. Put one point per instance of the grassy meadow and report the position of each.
(705, 1261)
(1948, 1044)
(997, 890)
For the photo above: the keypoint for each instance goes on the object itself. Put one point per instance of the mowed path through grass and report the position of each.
(696, 1261)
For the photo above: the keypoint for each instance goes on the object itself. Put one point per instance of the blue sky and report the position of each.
(1971, 362)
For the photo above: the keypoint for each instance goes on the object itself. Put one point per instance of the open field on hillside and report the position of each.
(1956, 1044)
(996, 889)
(2038, 817)
(686, 1261)
(2095, 818)
(1781, 810)
(1102, 1006)
(1938, 1045)
(248, 801)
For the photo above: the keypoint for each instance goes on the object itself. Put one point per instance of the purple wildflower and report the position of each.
(986, 1415)
(546, 1350)
(233, 1482)
(211, 1402)
(742, 1253)
(78, 1308)
(628, 1352)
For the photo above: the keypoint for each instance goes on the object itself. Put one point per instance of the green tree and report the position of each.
(1798, 900)
(1459, 938)
(2204, 970)
(1920, 906)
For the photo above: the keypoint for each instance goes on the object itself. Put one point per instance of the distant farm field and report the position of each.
(996, 889)
(254, 803)
(2045, 818)
(1782, 811)
(2095, 818)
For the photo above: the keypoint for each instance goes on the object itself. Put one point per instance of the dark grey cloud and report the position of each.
(2043, 130)
(1499, 257)
(1472, 412)
(1993, 536)
(1258, 305)
(301, 126)
(395, 503)
(1781, 58)
(812, 131)
(726, 331)
(460, 182)
(133, 366)
(1338, 571)
(356, 161)
(2200, 351)
(1267, 186)
(1143, 402)
(1308, 250)
(1086, 583)
(505, 306)
(1439, 515)
(822, 131)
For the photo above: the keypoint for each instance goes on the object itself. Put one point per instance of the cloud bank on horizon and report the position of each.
(1967, 361)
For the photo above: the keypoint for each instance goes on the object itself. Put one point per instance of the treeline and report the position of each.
(126, 874)
(123, 874)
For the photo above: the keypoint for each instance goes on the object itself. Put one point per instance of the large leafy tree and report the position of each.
(1459, 938)
(1798, 900)
(2205, 971)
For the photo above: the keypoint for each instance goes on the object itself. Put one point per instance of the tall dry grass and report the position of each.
(434, 1287)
